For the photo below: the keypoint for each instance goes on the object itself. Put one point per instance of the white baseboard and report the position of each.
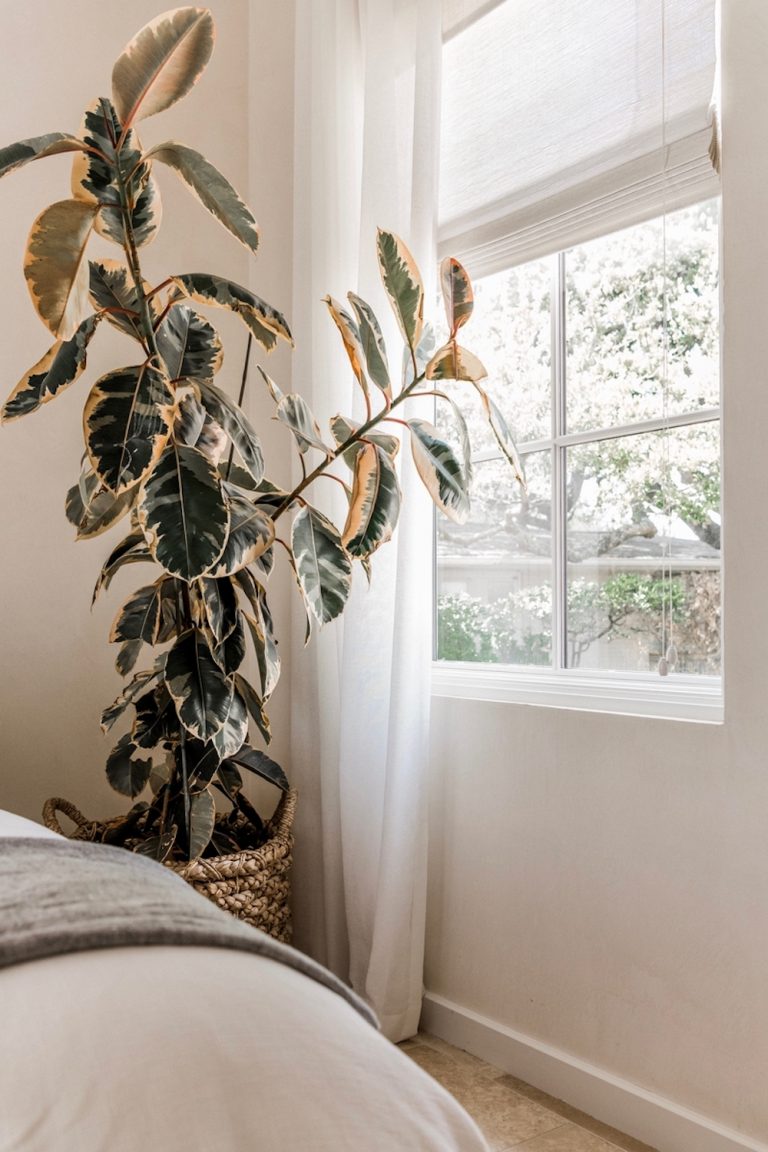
(664, 1125)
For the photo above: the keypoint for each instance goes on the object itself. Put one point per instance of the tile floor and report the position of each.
(510, 1112)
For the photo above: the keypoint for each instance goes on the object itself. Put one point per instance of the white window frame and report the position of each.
(676, 696)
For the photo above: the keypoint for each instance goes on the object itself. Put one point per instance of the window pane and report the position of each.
(510, 330)
(495, 572)
(639, 508)
(615, 321)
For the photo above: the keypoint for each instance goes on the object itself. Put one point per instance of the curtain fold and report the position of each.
(366, 155)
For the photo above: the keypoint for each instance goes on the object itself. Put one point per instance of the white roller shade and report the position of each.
(563, 119)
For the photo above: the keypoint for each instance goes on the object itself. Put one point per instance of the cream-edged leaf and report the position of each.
(251, 533)
(375, 504)
(264, 321)
(162, 63)
(457, 293)
(199, 689)
(211, 188)
(189, 346)
(183, 512)
(56, 267)
(295, 413)
(35, 148)
(60, 367)
(402, 281)
(440, 471)
(237, 426)
(452, 362)
(127, 421)
(350, 336)
(323, 566)
(372, 342)
(501, 431)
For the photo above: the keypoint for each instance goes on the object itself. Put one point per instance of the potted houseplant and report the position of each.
(173, 457)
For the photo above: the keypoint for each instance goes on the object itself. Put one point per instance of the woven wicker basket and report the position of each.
(254, 885)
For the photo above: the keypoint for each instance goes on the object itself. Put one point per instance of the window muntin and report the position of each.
(616, 549)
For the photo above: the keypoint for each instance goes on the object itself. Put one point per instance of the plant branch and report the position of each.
(356, 436)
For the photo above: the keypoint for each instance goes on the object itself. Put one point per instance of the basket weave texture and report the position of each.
(254, 884)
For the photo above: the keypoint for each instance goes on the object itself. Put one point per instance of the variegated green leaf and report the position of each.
(202, 817)
(95, 176)
(323, 566)
(452, 362)
(35, 148)
(112, 290)
(501, 431)
(351, 339)
(220, 603)
(295, 413)
(190, 417)
(463, 437)
(183, 512)
(103, 511)
(230, 654)
(154, 715)
(94, 172)
(127, 421)
(375, 504)
(262, 766)
(202, 764)
(162, 63)
(264, 321)
(274, 390)
(251, 533)
(265, 646)
(372, 342)
(343, 428)
(237, 426)
(172, 622)
(60, 367)
(255, 707)
(139, 618)
(422, 355)
(440, 470)
(127, 775)
(127, 656)
(231, 737)
(212, 441)
(189, 345)
(402, 281)
(200, 691)
(140, 684)
(212, 190)
(56, 267)
(80, 495)
(457, 293)
(146, 213)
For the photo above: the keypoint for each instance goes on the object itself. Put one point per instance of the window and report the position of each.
(613, 554)
(577, 188)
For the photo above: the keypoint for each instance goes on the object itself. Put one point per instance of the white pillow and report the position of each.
(12, 825)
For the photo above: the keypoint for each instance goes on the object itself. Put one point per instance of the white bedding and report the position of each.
(202, 1050)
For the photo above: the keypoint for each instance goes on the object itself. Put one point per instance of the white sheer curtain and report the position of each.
(366, 155)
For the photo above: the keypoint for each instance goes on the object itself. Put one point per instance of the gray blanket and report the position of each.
(60, 896)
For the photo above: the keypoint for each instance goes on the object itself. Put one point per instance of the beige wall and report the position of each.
(600, 882)
(56, 671)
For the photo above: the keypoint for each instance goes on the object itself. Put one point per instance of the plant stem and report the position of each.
(342, 448)
(241, 396)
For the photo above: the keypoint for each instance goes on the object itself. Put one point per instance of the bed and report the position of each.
(193, 1048)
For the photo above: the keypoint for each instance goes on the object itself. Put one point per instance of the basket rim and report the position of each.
(279, 826)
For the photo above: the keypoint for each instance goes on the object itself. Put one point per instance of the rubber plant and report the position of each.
(160, 438)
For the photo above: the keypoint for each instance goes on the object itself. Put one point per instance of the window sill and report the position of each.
(676, 697)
